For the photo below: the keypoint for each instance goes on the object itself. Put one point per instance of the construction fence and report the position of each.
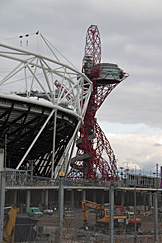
(46, 229)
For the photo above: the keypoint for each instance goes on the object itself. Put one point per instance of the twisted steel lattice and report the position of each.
(93, 146)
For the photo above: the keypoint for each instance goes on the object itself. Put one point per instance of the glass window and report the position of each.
(107, 212)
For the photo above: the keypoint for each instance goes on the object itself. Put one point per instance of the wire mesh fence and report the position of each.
(46, 228)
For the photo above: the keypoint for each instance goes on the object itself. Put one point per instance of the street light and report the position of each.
(121, 173)
(61, 203)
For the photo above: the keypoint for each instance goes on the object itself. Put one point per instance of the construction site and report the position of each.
(59, 176)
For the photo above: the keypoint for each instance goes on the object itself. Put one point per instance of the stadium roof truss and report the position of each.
(42, 105)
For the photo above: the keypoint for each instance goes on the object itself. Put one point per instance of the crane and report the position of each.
(92, 144)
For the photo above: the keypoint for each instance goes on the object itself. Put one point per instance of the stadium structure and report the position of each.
(43, 101)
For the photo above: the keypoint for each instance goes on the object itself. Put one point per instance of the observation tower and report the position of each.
(43, 101)
(95, 156)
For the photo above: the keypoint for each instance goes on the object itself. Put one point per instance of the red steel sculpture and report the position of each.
(95, 156)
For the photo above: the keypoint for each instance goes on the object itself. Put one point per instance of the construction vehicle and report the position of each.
(130, 221)
(17, 229)
(102, 214)
(9, 224)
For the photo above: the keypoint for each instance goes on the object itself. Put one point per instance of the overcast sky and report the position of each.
(131, 36)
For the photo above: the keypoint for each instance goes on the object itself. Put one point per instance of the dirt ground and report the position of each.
(75, 221)
(74, 231)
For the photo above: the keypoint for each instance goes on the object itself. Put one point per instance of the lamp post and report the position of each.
(61, 203)
(155, 204)
(121, 173)
(135, 223)
(111, 215)
(2, 193)
(154, 175)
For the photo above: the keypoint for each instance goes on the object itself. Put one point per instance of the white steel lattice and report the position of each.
(40, 80)
(35, 75)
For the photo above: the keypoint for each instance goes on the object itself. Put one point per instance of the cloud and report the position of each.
(157, 145)
(130, 36)
(137, 149)
(133, 107)
(144, 51)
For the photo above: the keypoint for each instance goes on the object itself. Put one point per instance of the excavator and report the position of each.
(9, 224)
(102, 214)
(17, 229)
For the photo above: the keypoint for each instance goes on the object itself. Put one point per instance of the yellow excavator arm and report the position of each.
(9, 224)
(88, 204)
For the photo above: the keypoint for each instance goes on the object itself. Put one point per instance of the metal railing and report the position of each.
(23, 178)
